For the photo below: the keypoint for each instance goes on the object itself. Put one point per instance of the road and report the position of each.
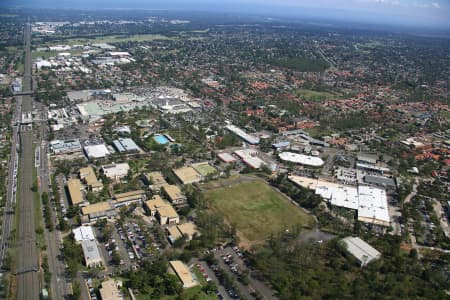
(213, 277)
(413, 192)
(53, 238)
(27, 267)
(265, 292)
(439, 211)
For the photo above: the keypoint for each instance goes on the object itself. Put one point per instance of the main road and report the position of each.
(27, 267)
(56, 264)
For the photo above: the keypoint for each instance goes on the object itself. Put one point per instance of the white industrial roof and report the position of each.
(243, 135)
(370, 202)
(83, 233)
(301, 159)
(90, 251)
(116, 170)
(373, 206)
(362, 251)
(254, 162)
(125, 145)
(345, 197)
(96, 151)
(374, 168)
(338, 194)
(245, 153)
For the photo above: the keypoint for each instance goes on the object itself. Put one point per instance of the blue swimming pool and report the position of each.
(160, 139)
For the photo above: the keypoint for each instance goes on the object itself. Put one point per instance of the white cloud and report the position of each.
(435, 5)
(426, 5)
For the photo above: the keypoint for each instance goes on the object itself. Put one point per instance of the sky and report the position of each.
(417, 13)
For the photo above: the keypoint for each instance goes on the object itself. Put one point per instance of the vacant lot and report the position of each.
(256, 210)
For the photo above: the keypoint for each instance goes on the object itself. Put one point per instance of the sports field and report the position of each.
(204, 169)
(256, 210)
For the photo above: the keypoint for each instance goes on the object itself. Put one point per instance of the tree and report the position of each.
(115, 257)
(76, 291)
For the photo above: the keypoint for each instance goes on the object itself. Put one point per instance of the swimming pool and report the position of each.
(160, 139)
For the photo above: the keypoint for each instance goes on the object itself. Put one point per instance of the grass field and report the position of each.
(205, 169)
(256, 209)
(314, 95)
(110, 39)
(445, 114)
(48, 54)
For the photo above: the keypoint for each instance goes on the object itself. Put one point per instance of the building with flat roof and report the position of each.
(116, 171)
(65, 147)
(250, 158)
(83, 233)
(187, 175)
(338, 194)
(252, 140)
(301, 159)
(186, 230)
(110, 290)
(155, 180)
(226, 157)
(174, 194)
(126, 145)
(372, 168)
(75, 189)
(281, 145)
(362, 251)
(173, 233)
(96, 211)
(167, 215)
(88, 176)
(365, 158)
(129, 198)
(183, 273)
(370, 202)
(155, 202)
(373, 205)
(254, 162)
(92, 257)
(380, 181)
(96, 151)
(125, 129)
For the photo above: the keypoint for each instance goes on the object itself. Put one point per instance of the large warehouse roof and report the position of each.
(370, 202)
(302, 159)
(125, 145)
(362, 251)
(373, 206)
(96, 151)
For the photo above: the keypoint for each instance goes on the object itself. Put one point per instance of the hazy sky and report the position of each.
(420, 13)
